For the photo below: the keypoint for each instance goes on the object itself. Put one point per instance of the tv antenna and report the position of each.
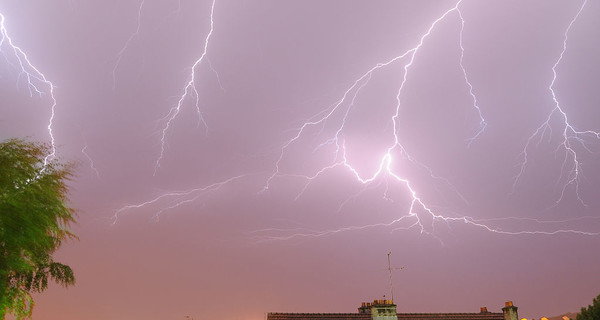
(390, 270)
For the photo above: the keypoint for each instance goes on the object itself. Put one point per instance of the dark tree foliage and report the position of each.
(592, 312)
(34, 220)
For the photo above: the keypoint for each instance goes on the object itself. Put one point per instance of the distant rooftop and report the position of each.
(386, 310)
(318, 316)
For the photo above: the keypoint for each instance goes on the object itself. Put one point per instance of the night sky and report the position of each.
(243, 157)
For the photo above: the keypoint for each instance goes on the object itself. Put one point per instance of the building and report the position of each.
(386, 310)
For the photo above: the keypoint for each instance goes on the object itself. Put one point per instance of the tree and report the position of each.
(592, 312)
(34, 221)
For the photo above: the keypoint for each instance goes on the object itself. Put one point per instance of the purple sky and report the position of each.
(326, 134)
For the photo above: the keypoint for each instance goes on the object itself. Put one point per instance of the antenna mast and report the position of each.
(390, 270)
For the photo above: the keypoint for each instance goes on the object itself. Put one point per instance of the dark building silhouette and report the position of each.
(386, 310)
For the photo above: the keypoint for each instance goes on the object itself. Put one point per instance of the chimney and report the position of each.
(365, 307)
(510, 311)
(484, 310)
(383, 310)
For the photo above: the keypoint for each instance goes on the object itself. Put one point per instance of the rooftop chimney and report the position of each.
(510, 311)
(484, 310)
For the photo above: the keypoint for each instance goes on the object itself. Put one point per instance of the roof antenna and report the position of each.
(390, 270)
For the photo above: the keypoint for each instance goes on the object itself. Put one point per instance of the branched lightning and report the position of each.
(189, 90)
(570, 171)
(177, 198)
(33, 77)
(340, 156)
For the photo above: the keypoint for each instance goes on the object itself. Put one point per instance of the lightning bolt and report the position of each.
(571, 169)
(132, 37)
(282, 234)
(344, 106)
(177, 198)
(189, 90)
(90, 160)
(482, 122)
(34, 79)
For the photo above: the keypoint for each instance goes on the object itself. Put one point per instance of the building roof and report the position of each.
(451, 316)
(385, 309)
(318, 316)
(401, 316)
